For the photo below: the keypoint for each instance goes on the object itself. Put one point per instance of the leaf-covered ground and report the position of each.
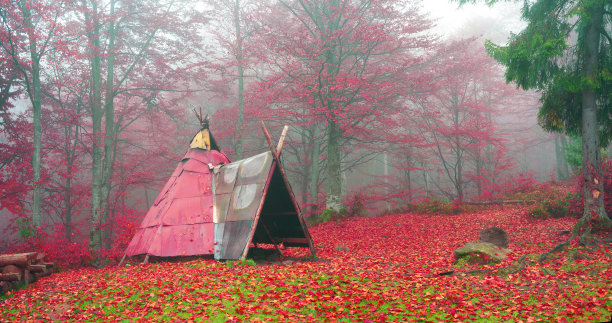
(373, 269)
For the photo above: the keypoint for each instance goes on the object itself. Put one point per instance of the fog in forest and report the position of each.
(383, 105)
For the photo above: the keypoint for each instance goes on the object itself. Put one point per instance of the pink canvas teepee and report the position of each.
(210, 206)
(180, 221)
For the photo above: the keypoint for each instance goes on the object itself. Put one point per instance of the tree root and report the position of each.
(522, 264)
(556, 249)
(586, 239)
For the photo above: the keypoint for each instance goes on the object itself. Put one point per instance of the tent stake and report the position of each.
(146, 259)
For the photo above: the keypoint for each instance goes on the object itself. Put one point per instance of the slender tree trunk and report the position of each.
(479, 167)
(307, 143)
(68, 185)
(305, 181)
(36, 160)
(459, 179)
(386, 172)
(408, 172)
(72, 141)
(304, 189)
(334, 173)
(458, 156)
(332, 61)
(239, 58)
(566, 167)
(558, 158)
(344, 189)
(110, 130)
(562, 171)
(68, 211)
(35, 97)
(425, 181)
(147, 198)
(95, 238)
(314, 168)
(591, 152)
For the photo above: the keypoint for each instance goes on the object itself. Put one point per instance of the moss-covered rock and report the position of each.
(480, 252)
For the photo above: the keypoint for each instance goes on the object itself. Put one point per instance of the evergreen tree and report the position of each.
(565, 53)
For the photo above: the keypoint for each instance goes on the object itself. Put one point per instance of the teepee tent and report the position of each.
(210, 206)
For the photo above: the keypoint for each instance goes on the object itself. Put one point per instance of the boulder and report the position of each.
(494, 235)
(481, 252)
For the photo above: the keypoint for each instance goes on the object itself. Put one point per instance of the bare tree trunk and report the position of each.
(95, 238)
(425, 181)
(68, 195)
(591, 152)
(562, 169)
(558, 158)
(307, 144)
(314, 168)
(147, 198)
(110, 130)
(564, 145)
(567, 168)
(71, 135)
(387, 184)
(334, 173)
(480, 164)
(239, 59)
(407, 174)
(35, 97)
(458, 157)
(36, 160)
(68, 211)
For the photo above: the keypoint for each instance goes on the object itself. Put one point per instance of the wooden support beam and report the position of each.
(292, 240)
(28, 278)
(281, 213)
(272, 239)
(37, 268)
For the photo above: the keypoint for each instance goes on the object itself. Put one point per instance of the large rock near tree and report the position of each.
(480, 252)
(494, 235)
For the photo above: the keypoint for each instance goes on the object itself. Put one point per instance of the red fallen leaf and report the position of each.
(377, 273)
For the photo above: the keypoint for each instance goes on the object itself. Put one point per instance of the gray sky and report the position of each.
(494, 23)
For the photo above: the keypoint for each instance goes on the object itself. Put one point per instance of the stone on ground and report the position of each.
(480, 252)
(494, 235)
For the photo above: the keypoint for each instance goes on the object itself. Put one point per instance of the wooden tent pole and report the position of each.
(267, 135)
(281, 141)
(122, 260)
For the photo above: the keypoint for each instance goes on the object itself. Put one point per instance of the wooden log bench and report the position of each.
(22, 268)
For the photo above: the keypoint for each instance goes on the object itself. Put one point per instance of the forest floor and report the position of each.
(370, 269)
